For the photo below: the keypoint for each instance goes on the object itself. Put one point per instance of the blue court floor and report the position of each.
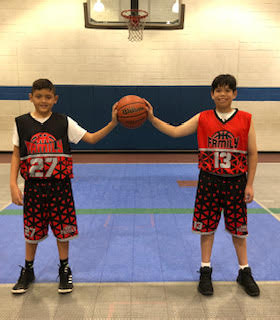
(135, 226)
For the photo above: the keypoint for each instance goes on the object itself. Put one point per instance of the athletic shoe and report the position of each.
(246, 280)
(205, 283)
(65, 282)
(25, 279)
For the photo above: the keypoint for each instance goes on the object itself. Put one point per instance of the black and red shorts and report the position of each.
(49, 202)
(217, 193)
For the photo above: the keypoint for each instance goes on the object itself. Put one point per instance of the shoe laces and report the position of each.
(23, 270)
(22, 274)
(64, 272)
(247, 275)
(64, 269)
(205, 273)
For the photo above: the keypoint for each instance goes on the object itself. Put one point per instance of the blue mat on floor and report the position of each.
(136, 247)
(101, 186)
(139, 247)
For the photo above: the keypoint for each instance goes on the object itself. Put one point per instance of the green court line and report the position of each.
(275, 210)
(138, 211)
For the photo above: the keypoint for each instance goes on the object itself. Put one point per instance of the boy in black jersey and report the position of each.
(227, 162)
(43, 157)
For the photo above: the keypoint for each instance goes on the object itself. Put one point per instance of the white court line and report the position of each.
(138, 284)
(21, 186)
(269, 211)
(5, 206)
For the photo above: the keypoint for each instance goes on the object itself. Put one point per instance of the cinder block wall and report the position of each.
(47, 38)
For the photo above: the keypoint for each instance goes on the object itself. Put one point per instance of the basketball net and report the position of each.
(136, 20)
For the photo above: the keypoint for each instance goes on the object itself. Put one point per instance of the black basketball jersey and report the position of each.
(44, 147)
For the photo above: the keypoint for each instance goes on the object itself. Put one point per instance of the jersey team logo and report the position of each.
(223, 139)
(43, 142)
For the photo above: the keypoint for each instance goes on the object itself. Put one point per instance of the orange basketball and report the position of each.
(132, 112)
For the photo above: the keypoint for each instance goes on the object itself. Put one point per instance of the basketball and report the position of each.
(132, 112)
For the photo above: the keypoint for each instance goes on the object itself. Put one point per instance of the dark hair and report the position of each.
(224, 80)
(43, 84)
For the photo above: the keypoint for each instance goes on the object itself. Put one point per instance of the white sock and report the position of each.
(206, 264)
(242, 267)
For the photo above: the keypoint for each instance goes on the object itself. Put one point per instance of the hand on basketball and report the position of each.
(115, 113)
(249, 194)
(150, 109)
(17, 197)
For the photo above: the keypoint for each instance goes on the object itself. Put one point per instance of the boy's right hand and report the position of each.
(149, 109)
(16, 194)
(115, 113)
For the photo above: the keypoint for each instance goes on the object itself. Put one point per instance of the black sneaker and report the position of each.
(25, 279)
(205, 283)
(246, 280)
(65, 282)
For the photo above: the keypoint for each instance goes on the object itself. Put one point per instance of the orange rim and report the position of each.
(128, 14)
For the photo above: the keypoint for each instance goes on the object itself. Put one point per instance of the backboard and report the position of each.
(106, 14)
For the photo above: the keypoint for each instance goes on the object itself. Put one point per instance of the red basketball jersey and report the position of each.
(223, 145)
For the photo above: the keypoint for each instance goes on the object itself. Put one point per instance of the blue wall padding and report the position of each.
(91, 106)
(258, 94)
(244, 93)
(14, 93)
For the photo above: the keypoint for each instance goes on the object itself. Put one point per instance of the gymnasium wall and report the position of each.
(172, 69)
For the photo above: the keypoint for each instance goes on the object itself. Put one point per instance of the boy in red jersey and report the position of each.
(43, 157)
(227, 162)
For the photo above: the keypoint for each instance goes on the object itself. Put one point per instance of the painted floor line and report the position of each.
(5, 206)
(110, 163)
(160, 283)
(277, 217)
(151, 211)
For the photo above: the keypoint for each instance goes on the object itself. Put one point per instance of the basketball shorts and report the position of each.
(49, 202)
(214, 194)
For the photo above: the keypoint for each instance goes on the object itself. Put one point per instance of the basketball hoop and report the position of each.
(135, 23)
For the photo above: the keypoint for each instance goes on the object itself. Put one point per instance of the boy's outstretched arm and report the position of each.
(185, 129)
(252, 164)
(102, 133)
(16, 194)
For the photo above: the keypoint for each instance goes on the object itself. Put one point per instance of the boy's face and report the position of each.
(43, 101)
(223, 97)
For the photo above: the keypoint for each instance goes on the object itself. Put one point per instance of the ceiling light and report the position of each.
(98, 6)
(175, 7)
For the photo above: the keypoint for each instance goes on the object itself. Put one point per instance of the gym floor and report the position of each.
(166, 294)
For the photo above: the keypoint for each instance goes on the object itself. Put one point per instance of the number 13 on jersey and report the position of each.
(222, 159)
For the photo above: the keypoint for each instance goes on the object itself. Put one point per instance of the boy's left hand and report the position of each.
(248, 194)
(150, 109)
